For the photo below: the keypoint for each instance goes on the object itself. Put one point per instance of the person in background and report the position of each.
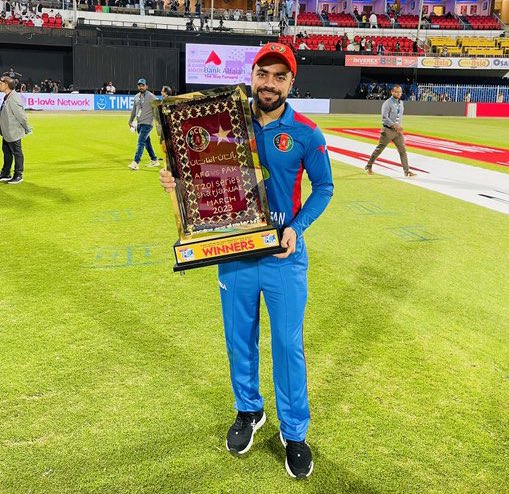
(373, 21)
(392, 131)
(303, 45)
(110, 88)
(142, 112)
(13, 127)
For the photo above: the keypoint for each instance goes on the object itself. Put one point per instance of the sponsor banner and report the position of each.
(500, 63)
(380, 61)
(493, 110)
(113, 102)
(310, 105)
(219, 64)
(226, 247)
(427, 62)
(124, 102)
(456, 63)
(58, 102)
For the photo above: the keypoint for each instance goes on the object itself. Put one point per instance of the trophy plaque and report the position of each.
(220, 201)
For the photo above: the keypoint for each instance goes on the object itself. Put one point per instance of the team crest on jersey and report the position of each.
(197, 138)
(283, 142)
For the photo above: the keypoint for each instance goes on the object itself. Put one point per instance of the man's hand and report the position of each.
(398, 128)
(289, 242)
(167, 181)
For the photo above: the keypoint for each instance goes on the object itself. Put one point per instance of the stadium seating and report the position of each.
(330, 41)
(442, 22)
(383, 21)
(309, 19)
(54, 22)
(470, 46)
(342, 20)
(481, 22)
(408, 21)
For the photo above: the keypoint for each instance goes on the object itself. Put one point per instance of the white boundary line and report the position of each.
(479, 186)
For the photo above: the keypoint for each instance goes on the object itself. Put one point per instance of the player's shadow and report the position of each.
(10, 199)
(328, 474)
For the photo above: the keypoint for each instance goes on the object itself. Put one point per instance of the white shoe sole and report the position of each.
(290, 473)
(248, 447)
(14, 183)
(152, 165)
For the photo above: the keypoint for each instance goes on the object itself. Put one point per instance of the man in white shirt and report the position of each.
(373, 21)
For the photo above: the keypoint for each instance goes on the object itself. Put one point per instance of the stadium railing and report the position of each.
(458, 93)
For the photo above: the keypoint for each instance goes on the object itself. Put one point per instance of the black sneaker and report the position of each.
(241, 433)
(5, 178)
(15, 180)
(299, 461)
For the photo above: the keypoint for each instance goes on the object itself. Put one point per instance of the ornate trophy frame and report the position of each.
(220, 203)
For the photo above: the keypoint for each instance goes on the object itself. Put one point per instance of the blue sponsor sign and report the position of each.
(113, 102)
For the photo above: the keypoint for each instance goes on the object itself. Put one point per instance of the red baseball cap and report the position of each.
(278, 50)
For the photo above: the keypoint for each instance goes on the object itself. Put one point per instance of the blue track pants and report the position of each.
(283, 283)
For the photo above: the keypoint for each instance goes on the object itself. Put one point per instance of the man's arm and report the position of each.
(19, 114)
(317, 165)
(133, 112)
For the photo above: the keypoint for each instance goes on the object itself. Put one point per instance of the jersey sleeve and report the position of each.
(317, 165)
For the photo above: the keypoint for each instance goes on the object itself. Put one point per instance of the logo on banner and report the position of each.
(283, 142)
(474, 62)
(436, 62)
(101, 103)
(269, 239)
(213, 58)
(187, 253)
(502, 63)
(197, 138)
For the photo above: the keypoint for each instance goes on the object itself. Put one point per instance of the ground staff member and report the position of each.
(142, 112)
(13, 127)
(288, 143)
(392, 131)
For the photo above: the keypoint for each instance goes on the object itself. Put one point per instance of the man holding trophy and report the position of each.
(287, 144)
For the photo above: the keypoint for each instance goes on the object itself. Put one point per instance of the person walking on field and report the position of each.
(13, 127)
(288, 143)
(392, 131)
(142, 112)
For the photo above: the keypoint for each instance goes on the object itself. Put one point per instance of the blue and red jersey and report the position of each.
(286, 148)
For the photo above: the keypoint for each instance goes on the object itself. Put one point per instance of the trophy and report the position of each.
(220, 202)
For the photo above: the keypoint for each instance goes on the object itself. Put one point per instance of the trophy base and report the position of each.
(223, 249)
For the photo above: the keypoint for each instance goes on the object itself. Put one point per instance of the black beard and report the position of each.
(269, 107)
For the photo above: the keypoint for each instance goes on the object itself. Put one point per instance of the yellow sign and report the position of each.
(473, 63)
(227, 246)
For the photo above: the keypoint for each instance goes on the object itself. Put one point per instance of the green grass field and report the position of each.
(113, 369)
